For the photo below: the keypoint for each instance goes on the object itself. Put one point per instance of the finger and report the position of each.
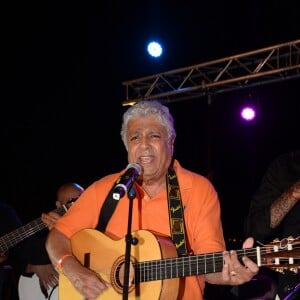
(234, 260)
(226, 273)
(226, 267)
(248, 243)
(51, 281)
(58, 204)
(55, 218)
(250, 265)
(226, 257)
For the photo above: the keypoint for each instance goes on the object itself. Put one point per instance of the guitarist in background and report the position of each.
(275, 213)
(29, 260)
(40, 278)
(148, 134)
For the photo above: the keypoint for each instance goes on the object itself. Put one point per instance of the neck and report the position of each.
(152, 188)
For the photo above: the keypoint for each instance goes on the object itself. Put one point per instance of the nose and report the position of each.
(144, 142)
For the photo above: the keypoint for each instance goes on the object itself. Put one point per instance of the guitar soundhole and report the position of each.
(117, 275)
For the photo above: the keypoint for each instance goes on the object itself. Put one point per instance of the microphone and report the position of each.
(133, 171)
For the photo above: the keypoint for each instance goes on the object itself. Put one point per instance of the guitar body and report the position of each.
(106, 257)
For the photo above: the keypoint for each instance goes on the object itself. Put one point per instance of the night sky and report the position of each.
(63, 64)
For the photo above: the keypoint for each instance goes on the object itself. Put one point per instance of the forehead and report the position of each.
(149, 123)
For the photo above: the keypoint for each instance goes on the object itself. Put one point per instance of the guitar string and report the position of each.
(173, 267)
(11, 239)
(18, 235)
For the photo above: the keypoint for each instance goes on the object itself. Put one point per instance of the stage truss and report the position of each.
(263, 66)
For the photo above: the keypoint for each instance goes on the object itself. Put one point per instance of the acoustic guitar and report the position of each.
(155, 266)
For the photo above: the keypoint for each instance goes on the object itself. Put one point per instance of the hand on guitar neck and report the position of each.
(50, 219)
(66, 195)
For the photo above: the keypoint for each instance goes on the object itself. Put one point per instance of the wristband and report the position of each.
(58, 266)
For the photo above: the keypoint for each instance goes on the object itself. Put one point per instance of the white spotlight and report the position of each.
(154, 49)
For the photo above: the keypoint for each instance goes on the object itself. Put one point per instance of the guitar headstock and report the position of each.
(281, 255)
(71, 201)
(62, 209)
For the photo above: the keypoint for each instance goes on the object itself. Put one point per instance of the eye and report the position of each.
(133, 138)
(155, 136)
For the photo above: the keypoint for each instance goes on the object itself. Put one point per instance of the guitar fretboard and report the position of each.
(11, 239)
(186, 265)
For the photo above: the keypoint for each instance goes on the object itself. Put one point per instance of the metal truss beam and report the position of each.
(263, 66)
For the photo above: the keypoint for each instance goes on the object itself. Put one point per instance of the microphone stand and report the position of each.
(129, 240)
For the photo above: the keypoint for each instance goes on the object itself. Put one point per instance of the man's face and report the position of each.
(148, 146)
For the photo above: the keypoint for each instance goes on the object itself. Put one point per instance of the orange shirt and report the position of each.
(201, 213)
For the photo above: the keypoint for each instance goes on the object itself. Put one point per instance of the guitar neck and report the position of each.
(11, 239)
(186, 265)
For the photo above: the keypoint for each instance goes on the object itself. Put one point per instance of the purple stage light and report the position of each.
(248, 113)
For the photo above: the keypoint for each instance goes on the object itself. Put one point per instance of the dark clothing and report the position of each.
(35, 245)
(283, 172)
(9, 219)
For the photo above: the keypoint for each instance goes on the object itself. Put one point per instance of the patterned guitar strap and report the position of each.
(177, 225)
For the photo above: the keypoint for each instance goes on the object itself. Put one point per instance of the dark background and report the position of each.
(63, 64)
